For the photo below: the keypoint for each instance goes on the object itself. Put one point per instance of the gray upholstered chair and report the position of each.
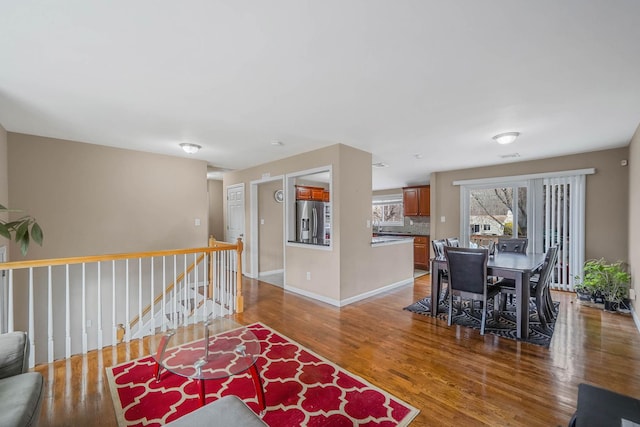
(468, 278)
(21, 392)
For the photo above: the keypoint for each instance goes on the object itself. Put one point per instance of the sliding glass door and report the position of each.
(548, 209)
(494, 212)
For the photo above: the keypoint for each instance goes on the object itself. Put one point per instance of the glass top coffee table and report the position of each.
(216, 349)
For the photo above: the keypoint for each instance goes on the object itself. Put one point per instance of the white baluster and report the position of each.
(67, 315)
(85, 337)
(127, 320)
(32, 329)
(49, 315)
(10, 327)
(151, 296)
(114, 323)
(164, 293)
(99, 306)
(140, 332)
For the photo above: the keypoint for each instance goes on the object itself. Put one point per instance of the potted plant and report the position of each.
(22, 230)
(610, 280)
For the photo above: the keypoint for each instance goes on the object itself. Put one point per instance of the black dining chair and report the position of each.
(453, 241)
(438, 252)
(538, 289)
(517, 245)
(467, 269)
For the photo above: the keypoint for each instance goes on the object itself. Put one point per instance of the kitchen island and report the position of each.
(420, 246)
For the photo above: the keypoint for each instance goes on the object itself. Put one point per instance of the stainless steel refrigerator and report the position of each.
(310, 222)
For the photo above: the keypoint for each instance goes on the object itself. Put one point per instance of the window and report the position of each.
(487, 227)
(387, 210)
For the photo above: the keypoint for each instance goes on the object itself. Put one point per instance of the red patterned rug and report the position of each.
(301, 389)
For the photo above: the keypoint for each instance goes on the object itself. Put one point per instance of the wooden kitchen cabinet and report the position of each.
(417, 200)
(305, 192)
(421, 252)
(317, 193)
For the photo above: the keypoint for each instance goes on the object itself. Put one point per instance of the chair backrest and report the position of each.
(467, 269)
(453, 241)
(550, 259)
(438, 248)
(513, 245)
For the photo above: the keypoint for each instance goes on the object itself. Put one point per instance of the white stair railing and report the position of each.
(64, 305)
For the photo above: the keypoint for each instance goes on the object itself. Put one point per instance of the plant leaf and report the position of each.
(22, 230)
(24, 243)
(36, 233)
(4, 231)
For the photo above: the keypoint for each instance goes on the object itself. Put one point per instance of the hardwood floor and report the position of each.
(452, 375)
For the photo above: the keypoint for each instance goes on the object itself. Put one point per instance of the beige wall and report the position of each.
(298, 260)
(349, 269)
(270, 228)
(4, 180)
(607, 197)
(634, 214)
(92, 199)
(216, 209)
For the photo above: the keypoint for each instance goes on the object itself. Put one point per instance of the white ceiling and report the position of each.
(393, 77)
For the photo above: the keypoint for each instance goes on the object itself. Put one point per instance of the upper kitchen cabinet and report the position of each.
(416, 200)
(306, 192)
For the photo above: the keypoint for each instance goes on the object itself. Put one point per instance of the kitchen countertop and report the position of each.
(390, 239)
(398, 233)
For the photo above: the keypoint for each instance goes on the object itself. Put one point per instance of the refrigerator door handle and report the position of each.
(315, 223)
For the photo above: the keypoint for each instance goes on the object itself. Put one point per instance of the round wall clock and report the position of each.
(279, 196)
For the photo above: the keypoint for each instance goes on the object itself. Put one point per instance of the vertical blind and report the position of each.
(564, 225)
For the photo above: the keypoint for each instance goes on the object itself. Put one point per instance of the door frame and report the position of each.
(254, 247)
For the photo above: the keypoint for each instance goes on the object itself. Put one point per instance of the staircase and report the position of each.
(74, 305)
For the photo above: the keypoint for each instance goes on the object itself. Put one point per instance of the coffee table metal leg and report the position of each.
(257, 382)
(200, 384)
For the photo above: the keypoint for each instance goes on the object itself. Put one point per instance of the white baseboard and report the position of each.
(376, 291)
(351, 300)
(636, 319)
(269, 273)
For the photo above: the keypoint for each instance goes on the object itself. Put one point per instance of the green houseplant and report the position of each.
(22, 230)
(611, 280)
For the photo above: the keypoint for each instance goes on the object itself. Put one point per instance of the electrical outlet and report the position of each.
(88, 323)
(632, 294)
(197, 222)
(308, 275)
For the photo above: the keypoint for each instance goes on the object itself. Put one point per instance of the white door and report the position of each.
(235, 213)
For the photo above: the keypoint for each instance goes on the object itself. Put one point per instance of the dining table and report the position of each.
(507, 265)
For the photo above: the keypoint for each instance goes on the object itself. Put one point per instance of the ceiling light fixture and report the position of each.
(190, 148)
(506, 138)
(380, 165)
(277, 143)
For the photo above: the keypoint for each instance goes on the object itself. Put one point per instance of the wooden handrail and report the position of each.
(14, 265)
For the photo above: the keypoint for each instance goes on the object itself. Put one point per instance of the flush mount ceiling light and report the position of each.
(277, 143)
(190, 148)
(506, 138)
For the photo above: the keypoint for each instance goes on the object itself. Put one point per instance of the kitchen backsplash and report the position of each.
(412, 225)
